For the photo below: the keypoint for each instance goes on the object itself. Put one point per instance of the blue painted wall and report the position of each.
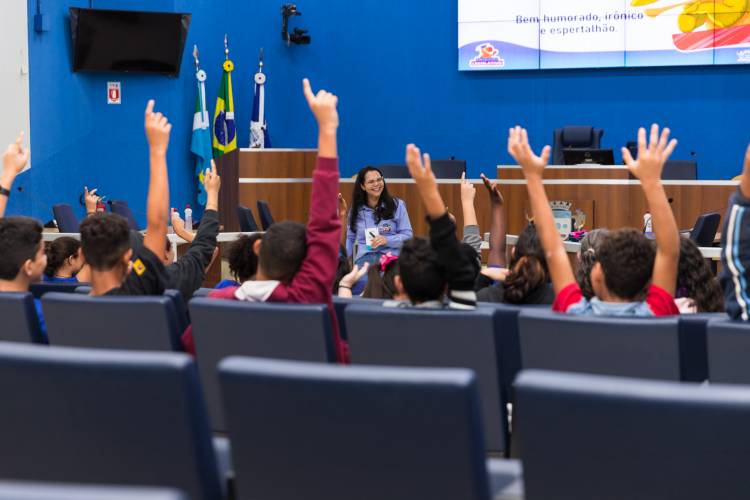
(394, 66)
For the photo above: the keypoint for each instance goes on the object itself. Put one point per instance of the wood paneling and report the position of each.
(515, 173)
(277, 164)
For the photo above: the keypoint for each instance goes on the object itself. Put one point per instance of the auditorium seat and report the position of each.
(587, 437)
(435, 338)
(729, 352)
(180, 309)
(578, 137)
(224, 328)
(623, 346)
(19, 318)
(705, 229)
(66, 219)
(39, 289)
(121, 208)
(140, 323)
(29, 490)
(264, 212)
(103, 416)
(341, 303)
(693, 345)
(202, 292)
(328, 432)
(246, 219)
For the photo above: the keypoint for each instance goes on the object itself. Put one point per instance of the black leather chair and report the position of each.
(448, 169)
(628, 347)
(142, 323)
(29, 490)
(103, 416)
(435, 338)
(705, 228)
(66, 219)
(680, 170)
(376, 432)
(264, 212)
(19, 318)
(728, 351)
(580, 137)
(399, 171)
(223, 328)
(39, 289)
(246, 219)
(121, 208)
(587, 437)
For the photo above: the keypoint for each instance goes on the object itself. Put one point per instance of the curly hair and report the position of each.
(243, 263)
(528, 267)
(589, 256)
(58, 252)
(627, 260)
(696, 281)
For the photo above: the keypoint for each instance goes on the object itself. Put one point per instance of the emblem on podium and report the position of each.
(563, 217)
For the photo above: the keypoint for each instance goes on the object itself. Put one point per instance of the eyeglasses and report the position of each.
(374, 182)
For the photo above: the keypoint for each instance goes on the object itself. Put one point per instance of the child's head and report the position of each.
(528, 267)
(587, 257)
(624, 267)
(22, 250)
(420, 275)
(243, 262)
(281, 251)
(381, 279)
(64, 257)
(696, 281)
(105, 241)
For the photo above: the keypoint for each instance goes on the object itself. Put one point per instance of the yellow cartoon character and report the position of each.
(712, 14)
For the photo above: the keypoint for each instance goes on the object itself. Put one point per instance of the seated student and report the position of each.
(472, 235)
(298, 264)
(242, 260)
(735, 248)
(105, 238)
(587, 257)
(625, 265)
(23, 259)
(698, 290)
(64, 261)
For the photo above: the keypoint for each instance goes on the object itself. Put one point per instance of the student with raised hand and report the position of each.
(105, 238)
(15, 159)
(498, 246)
(626, 263)
(90, 200)
(472, 236)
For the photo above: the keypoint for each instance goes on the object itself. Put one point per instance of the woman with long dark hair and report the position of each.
(378, 223)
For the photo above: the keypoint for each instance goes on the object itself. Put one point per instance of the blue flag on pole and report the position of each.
(200, 145)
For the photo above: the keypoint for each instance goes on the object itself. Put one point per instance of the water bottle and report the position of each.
(648, 227)
(188, 218)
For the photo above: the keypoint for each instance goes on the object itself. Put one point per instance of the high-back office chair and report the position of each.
(582, 137)
(705, 228)
(246, 219)
(121, 208)
(448, 169)
(66, 219)
(264, 212)
(674, 170)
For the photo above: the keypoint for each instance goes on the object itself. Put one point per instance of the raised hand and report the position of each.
(343, 207)
(158, 129)
(420, 170)
(323, 105)
(16, 157)
(519, 149)
(468, 191)
(652, 156)
(90, 199)
(494, 190)
(177, 223)
(212, 180)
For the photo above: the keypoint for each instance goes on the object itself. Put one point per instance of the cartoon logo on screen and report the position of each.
(487, 56)
(706, 24)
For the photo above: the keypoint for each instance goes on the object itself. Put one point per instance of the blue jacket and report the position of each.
(396, 230)
(735, 257)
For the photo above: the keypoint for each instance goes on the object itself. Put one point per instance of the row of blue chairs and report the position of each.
(247, 219)
(67, 222)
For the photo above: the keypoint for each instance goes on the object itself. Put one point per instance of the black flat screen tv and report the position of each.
(125, 41)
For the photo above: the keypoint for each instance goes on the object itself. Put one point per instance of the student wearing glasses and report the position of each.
(378, 223)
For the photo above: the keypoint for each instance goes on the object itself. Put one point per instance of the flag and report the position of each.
(200, 145)
(225, 133)
(259, 137)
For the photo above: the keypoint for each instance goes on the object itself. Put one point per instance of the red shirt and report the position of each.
(658, 302)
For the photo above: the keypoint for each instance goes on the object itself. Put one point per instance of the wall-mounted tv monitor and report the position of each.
(123, 41)
(548, 34)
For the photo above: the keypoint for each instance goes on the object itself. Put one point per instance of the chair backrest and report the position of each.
(586, 137)
(121, 208)
(728, 352)
(223, 328)
(138, 323)
(587, 437)
(398, 171)
(28, 490)
(264, 212)
(680, 170)
(374, 432)
(202, 292)
(19, 318)
(694, 346)
(448, 169)
(39, 289)
(628, 347)
(246, 219)
(341, 303)
(66, 219)
(435, 338)
(180, 309)
(705, 228)
(103, 416)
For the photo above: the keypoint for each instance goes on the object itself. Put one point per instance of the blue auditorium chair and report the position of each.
(202, 292)
(588, 437)
(224, 328)
(19, 319)
(246, 219)
(341, 303)
(578, 137)
(693, 345)
(264, 212)
(728, 352)
(435, 338)
(628, 347)
(29, 490)
(180, 309)
(39, 289)
(66, 219)
(121, 208)
(104, 416)
(139, 323)
(328, 432)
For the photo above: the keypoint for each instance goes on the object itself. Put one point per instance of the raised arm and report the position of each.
(498, 244)
(468, 193)
(343, 211)
(14, 160)
(91, 200)
(157, 206)
(648, 169)
(533, 168)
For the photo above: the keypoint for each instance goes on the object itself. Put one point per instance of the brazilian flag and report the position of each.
(225, 132)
